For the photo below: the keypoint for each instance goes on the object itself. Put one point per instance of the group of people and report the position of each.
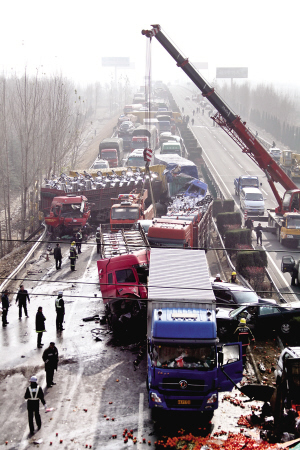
(34, 393)
(232, 280)
(75, 250)
(21, 300)
(40, 319)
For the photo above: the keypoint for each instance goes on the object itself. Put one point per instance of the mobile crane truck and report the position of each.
(246, 140)
(187, 366)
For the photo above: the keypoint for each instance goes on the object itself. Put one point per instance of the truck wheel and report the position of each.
(278, 234)
(222, 331)
(285, 328)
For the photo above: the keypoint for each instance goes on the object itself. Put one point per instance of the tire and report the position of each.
(278, 234)
(285, 328)
(222, 331)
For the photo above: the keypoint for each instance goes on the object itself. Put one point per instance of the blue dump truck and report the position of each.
(187, 366)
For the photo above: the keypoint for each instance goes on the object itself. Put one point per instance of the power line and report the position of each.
(24, 280)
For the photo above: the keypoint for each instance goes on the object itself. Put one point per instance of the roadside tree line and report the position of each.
(273, 111)
(41, 122)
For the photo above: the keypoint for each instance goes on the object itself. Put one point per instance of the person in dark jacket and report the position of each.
(50, 358)
(5, 306)
(40, 326)
(78, 241)
(249, 223)
(34, 394)
(258, 231)
(57, 256)
(22, 298)
(98, 239)
(60, 311)
(244, 336)
(73, 255)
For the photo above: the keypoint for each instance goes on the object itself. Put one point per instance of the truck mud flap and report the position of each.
(258, 392)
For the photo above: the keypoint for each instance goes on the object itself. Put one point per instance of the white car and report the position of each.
(100, 164)
(287, 353)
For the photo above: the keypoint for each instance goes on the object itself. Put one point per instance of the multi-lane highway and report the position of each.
(227, 161)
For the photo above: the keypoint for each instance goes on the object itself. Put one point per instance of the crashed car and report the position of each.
(262, 319)
(234, 294)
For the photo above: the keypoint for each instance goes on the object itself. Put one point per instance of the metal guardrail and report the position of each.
(27, 257)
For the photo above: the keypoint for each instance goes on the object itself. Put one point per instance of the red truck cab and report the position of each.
(171, 233)
(123, 283)
(110, 155)
(129, 209)
(139, 142)
(70, 212)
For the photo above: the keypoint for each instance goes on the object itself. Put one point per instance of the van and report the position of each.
(136, 159)
(171, 147)
(252, 201)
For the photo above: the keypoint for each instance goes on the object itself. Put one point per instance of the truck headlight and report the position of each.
(155, 398)
(212, 399)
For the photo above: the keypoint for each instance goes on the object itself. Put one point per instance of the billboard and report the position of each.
(115, 61)
(232, 72)
(200, 65)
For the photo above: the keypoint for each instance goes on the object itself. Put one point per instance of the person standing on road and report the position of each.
(258, 231)
(5, 306)
(57, 256)
(98, 240)
(78, 241)
(50, 358)
(40, 326)
(249, 223)
(73, 256)
(22, 298)
(34, 394)
(60, 311)
(244, 333)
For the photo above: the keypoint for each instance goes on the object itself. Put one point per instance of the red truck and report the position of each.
(129, 209)
(183, 227)
(110, 155)
(68, 214)
(123, 270)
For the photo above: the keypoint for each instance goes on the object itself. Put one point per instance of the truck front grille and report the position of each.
(173, 384)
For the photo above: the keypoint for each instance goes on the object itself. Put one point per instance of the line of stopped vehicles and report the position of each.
(151, 218)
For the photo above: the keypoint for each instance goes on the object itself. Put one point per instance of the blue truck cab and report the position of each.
(187, 366)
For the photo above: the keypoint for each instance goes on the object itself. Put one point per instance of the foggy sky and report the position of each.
(71, 37)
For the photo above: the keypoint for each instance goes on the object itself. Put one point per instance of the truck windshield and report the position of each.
(71, 210)
(293, 222)
(250, 183)
(201, 357)
(125, 213)
(141, 143)
(109, 155)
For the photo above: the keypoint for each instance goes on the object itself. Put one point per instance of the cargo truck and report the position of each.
(128, 209)
(187, 367)
(245, 181)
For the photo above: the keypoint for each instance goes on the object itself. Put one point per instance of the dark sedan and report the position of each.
(261, 319)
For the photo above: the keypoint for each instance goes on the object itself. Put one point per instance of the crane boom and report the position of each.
(229, 121)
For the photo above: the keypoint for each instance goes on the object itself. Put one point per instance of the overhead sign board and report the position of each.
(232, 72)
(200, 65)
(115, 61)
